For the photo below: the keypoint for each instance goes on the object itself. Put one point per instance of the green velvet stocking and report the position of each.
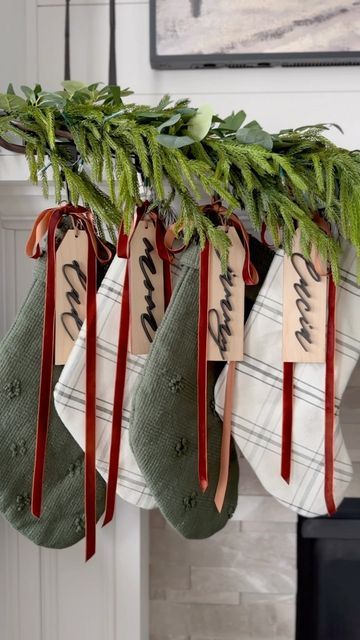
(62, 520)
(163, 425)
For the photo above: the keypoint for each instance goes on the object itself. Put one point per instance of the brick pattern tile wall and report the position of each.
(241, 583)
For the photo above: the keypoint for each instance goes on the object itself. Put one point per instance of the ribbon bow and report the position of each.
(47, 223)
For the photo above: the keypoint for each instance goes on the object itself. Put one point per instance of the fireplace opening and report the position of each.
(328, 559)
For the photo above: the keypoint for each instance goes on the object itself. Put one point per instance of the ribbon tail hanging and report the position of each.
(330, 398)
(287, 420)
(119, 390)
(202, 367)
(90, 433)
(47, 223)
(123, 251)
(47, 361)
(226, 439)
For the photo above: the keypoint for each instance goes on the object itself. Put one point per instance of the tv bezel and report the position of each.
(239, 60)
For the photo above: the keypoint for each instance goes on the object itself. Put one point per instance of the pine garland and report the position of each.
(280, 179)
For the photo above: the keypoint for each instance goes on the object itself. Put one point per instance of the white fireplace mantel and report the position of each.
(45, 594)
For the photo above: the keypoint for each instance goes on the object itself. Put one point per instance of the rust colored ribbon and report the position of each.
(287, 420)
(202, 366)
(250, 277)
(226, 438)
(48, 222)
(329, 406)
(330, 398)
(123, 251)
(288, 382)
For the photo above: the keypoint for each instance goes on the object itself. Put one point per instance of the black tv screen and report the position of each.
(240, 33)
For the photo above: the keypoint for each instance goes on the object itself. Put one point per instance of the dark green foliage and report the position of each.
(281, 179)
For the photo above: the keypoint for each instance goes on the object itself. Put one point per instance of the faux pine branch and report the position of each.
(280, 179)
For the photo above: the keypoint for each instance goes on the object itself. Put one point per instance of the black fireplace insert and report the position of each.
(328, 596)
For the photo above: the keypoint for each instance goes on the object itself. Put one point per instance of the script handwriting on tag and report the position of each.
(70, 292)
(146, 287)
(304, 307)
(226, 304)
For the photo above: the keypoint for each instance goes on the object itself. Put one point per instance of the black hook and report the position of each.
(67, 74)
(112, 53)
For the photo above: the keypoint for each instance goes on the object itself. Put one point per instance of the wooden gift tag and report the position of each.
(146, 287)
(304, 307)
(70, 291)
(226, 303)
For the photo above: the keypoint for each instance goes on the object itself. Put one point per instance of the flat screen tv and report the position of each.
(194, 34)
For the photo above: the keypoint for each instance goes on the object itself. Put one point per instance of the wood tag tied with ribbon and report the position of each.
(70, 291)
(226, 294)
(146, 272)
(304, 307)
(142, 252)
(309, 319)
(46, 225)
(216, 304)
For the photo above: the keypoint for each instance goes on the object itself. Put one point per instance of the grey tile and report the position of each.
(263, 508)
(199, 596)
(157, 520)
(270, 614)
(262, 598)
(351, 433)
(232, 526)
(249, 485)
(270, 636)
(275, 527)
(221, 621)
(165, 576)
(224, 622)
(255, 577)
(353, 490)
(355, 378)
(350, 406)
(169, 637)
(239, 549)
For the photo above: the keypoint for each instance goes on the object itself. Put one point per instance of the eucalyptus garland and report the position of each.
(280, 179)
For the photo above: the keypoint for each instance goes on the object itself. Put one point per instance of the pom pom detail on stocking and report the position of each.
(20, 359)
(163, 424)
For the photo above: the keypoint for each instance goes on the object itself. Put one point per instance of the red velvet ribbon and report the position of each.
(250, 277)
(123, 251)
(330, 398)
(288, 399)
(48, 222)
(287, 420)
(202, 366)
